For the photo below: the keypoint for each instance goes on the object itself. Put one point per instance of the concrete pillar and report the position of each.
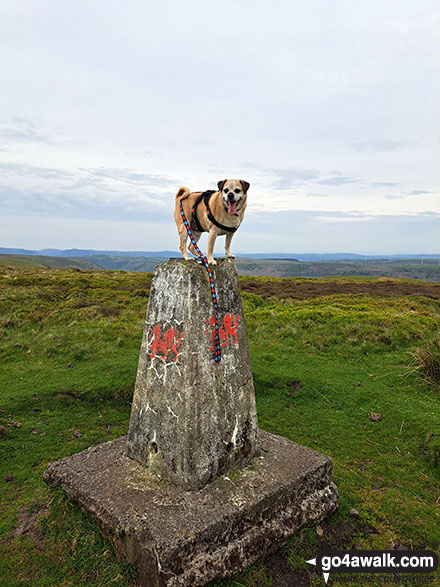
(193, 419)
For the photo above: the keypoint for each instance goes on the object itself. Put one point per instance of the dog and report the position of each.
(218, 213)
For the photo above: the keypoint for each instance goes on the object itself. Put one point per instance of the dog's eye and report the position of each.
(237, 191)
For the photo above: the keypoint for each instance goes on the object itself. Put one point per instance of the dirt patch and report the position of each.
(303, 290)
(283, 575)
(68, 394)
(342, 536)
(27, 521)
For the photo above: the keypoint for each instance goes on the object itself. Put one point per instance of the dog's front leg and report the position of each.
(211, 242)
(228, 244)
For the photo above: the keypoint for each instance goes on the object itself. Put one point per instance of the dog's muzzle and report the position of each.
(231, 204)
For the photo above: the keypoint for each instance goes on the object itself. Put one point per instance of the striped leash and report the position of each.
(217, 354)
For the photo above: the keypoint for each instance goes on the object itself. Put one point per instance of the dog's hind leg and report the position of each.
(191, 248)
(211, 242)
(182, 246)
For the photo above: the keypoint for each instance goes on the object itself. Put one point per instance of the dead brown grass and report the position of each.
(426, 361)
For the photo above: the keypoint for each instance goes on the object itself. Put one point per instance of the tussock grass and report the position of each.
(426, 361)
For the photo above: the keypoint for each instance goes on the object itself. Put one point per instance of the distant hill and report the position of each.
(87, 253)
(396, 269)
(406, 269)
(42, 261)
(126, 263)
(303, 257)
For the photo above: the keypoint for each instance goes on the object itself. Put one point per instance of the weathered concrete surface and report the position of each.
(192, 419)
(174, 537)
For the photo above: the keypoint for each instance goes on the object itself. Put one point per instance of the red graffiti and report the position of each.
(227, 331)
(162, 346)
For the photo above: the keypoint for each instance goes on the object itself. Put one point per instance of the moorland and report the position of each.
(347, 366)
(427, 269)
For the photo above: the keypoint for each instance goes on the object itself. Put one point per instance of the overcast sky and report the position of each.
(330, 109)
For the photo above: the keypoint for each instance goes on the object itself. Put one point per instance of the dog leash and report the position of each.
(217, 352)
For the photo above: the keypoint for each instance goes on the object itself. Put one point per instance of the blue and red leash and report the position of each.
(217, 352)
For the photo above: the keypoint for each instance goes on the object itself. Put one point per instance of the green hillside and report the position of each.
(42, 261)
(396, 269)
(126, 263)
(280, 268)
(326, 355)
(400, 269)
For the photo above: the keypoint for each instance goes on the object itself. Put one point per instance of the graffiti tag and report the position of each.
(164, 344)
(227, 331)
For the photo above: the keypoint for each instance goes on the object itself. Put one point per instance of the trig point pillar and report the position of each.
(192, 418)
(196, 491)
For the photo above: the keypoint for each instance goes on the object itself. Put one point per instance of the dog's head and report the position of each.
(233, 193)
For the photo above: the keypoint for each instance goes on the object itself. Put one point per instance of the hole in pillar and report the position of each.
(154, 447)
(229, 446)
(222, 463)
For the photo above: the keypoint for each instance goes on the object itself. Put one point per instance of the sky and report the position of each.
(330, 109)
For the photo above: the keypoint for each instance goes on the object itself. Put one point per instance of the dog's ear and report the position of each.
(245, 185)
(221, 184)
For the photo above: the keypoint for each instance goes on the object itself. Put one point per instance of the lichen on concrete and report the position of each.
(175, 537)
(192, 419)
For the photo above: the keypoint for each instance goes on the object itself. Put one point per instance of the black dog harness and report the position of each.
(197, 226)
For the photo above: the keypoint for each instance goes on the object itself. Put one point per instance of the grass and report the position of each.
(45, 261)
(68, 358)
(426, 360)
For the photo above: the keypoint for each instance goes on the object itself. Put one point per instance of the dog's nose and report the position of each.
(231, 196)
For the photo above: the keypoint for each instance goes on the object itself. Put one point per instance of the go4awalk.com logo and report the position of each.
(375, 561)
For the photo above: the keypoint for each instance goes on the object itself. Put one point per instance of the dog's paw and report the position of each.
(213, 262)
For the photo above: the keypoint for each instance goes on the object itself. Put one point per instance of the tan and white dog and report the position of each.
(217, 212)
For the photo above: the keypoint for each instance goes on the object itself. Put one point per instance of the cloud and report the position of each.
(287, 232)
(336, 231)
(342, 86)
(289, 177)
(132, 177)
(418, 193)
(290, 218)
(380, 145)
(402, 195)
(19, 131)
(97, 193)
(382, 184)
(24, 170)
(284, 173)
(96, 233)
(337, 180)
(87, 204)
(340, 217)
(22, 130)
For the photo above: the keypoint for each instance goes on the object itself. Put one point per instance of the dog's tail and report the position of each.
(182, 193)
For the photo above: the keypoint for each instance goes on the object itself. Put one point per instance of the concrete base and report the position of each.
(175, 537)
